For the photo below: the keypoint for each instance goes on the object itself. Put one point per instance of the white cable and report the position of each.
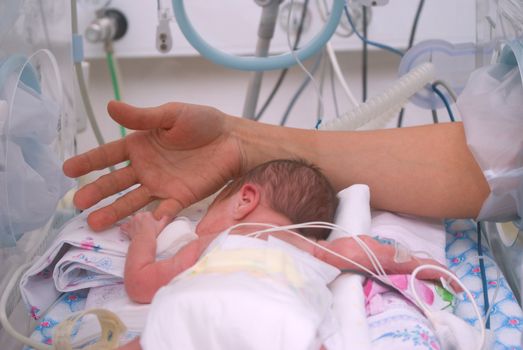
(288, 228)
(337, 70)
(380, 272)
(296, 58)
(323, 73)
(428, 312)
(372, 257)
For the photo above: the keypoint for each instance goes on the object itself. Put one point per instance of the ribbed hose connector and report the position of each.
(376, 110)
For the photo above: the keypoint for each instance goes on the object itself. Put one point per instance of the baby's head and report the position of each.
(280, 192)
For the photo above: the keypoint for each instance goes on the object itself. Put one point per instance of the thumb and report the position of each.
(137, 118)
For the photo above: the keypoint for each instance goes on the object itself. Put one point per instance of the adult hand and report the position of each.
(180, 154)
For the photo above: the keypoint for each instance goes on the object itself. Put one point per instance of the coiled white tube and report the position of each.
(377, 110)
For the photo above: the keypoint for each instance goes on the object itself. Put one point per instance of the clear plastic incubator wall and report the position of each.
(37, 130)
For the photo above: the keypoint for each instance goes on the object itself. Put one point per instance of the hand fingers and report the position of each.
(104, 187)
(168, 208)
(122, 207)
(137, 118)
(99, 158)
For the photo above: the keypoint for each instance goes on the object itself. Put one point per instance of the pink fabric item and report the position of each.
(380, 297)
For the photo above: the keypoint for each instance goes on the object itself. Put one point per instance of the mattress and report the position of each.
(506, 318)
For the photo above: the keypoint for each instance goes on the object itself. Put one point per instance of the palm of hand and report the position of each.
(181, 154)
(177, 172)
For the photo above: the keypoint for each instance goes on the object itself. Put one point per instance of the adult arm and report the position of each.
(425, 170)
(183, 153)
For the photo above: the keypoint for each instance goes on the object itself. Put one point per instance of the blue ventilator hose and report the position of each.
(257, 63)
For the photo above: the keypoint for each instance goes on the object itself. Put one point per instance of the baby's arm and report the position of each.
(348, 247)
(143, 275)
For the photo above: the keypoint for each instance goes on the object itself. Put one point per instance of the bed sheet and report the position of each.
(66, 305)
(506, 318)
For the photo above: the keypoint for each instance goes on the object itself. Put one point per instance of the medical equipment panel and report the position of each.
(234, 25)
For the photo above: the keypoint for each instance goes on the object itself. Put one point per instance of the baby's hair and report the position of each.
(294, 188)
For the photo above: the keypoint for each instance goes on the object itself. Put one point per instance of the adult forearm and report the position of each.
(425, 170)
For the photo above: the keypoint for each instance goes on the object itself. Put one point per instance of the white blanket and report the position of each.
(80, 258)
(245, 293)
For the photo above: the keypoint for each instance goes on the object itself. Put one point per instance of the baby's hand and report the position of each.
(143, 223)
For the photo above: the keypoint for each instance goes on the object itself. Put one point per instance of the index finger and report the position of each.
(98, 158)
(122, 207)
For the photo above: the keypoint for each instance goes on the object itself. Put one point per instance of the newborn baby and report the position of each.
(225, 290)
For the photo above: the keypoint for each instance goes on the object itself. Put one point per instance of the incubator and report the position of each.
(37, 127)
(39, 104)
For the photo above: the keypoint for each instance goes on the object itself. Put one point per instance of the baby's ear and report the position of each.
(247, 200)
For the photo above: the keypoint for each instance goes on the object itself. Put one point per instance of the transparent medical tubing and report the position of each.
(380, 107)
(111, 326)
(430, 314)
(339, 75)
(4, 318)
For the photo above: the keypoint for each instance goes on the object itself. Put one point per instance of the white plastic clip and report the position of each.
(164, 39)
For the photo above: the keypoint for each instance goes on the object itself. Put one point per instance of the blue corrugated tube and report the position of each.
(256, 63)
